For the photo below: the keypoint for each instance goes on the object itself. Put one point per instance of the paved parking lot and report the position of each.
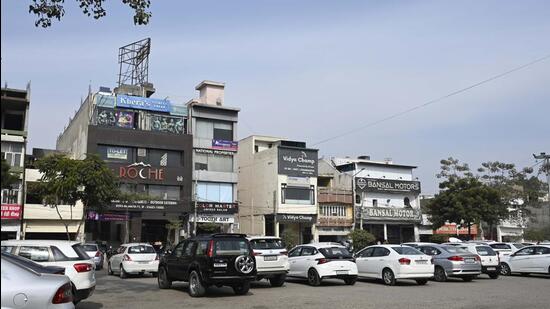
(505, 292)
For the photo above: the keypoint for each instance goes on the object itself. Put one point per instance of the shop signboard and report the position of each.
(298, 162)
(386, 185)
(150, 104)
(140, 205)
(11, 211)
(95, 216)
(214, 151)
(119, 153)
(124, 119)
(217, 208)
(225, 145)
(392, 214)
(212, 218)
(296, 218)
(450, 229)
(140, 170)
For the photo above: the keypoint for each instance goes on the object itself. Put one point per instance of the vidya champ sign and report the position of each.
(297, 162)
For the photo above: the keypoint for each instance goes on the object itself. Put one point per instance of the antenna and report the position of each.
(134, 63)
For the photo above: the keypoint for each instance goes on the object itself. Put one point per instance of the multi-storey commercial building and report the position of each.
(15, 110)
(145, 142)
(214, 129)
(277, 187)
(386, 198)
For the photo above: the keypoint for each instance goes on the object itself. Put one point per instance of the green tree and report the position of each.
(8, 179)
(46, 10)
(361, 239)
(208, 227)
(290, 239)
(66, 181)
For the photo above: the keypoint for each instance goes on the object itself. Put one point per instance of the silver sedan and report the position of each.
(452, 261)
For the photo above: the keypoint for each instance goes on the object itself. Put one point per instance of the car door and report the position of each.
(540, 261)
(186, 258)
(378, 260)
(519, 261)
(307, 256)
(116, 260)
(293, 257)
(172, 261)
(362, 259)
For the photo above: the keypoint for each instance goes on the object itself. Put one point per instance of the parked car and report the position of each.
(64, 253)
(134, 258)
(502, 249)
(22, 286)
(41, 269)
(418, 244)
(95, 253)
(317, 261)
(206, 260)
(271, 259)
(515, 246)
(452, 261)
(490, 261)
(531, 259)
(392, 262)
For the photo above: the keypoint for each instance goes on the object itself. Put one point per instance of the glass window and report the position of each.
(404, 250)
(202, 248)
(295, 252)
(159, 157)
(204, 129)
(213, 162)
(231, 247)
(215, 192)
(366, 253)
(332, 210)
(485, 251)
(526, 251)
(452, 249)
(58, 255)
(500, 246)
(171, 193)
(308, 251)
(7, 249)
(10, 196)
(188, 250)
(297, 195)
(141, 249)
(429, 250)
(37, 254)
(542, 250)
(380, 251)
(270, 243)
(90, 248)
(335, 252)
(13, 153)
(178, 251)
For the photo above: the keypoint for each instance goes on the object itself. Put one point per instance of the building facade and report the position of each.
(214, 129)
(277, 189)
(145, 142)
(15, 105)
(386, 198)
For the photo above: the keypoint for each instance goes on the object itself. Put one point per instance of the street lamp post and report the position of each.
(353, 200)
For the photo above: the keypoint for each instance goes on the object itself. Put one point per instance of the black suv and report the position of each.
(203, 261)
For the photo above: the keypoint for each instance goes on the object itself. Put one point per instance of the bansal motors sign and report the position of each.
(141, 171)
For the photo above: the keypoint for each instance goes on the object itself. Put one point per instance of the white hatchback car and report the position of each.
(317, 261)
(392, 262)
(531, 259)
(134, 258)
(502, 249)
(79, 267)
(490, 260)
(271, 259)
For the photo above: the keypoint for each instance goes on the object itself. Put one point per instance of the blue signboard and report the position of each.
(224, 145)
(151, 104)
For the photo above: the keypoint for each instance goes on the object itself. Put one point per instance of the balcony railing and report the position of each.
(326, 195)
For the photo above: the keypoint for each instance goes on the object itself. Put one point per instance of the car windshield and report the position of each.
(452, 249)
(485, 251)
(231, 247)
(270, 243)
(90, 247)
(141, 249)
(404, 250)
(81, 252)
(335, 252)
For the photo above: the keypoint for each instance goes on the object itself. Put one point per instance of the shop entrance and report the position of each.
(153, 230)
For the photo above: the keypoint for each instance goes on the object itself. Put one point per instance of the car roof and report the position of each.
(39, 242)
(219, 235)
(419, 243)
(319, 245)
(136, 244)
(262, 237)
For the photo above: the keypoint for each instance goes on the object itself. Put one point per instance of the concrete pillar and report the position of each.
(315, 233)
(277, 229)
(416, 233)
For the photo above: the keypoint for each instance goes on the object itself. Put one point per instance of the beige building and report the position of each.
(277, 189)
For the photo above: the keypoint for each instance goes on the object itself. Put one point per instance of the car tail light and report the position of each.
(284, 252)
(404, 261)
(63, 295)
(478, 258)
(322, 261)
(82, 267)
(256, 253)
(211, 248)
(126, 258)
(98, 254)
(456, 258)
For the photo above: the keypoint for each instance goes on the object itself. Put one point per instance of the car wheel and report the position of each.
(242, 289)
(313, 277)
(493, 275)
(196, 288)
(278, 280)
(421, 281)
(467, 279)
(350, 281)
(439, 274)
(388, 277)
(109, 269)
(162, 278)
(505, 269)
(123, 274)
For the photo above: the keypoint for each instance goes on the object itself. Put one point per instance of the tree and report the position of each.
(360, 239)
(46, 10)
(8, 179)
(290, 239)
(66, 181)
(209, 227)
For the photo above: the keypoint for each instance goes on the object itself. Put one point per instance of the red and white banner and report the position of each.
(11, 211)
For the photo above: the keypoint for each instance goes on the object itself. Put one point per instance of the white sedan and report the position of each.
(530, 259)
(134, 258)
(392, 262)
(318, 261)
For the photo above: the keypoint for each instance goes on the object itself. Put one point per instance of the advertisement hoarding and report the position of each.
(298, 162)
(386, 185)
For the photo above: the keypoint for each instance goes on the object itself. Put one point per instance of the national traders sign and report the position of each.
(391, 214)
(386, 185)
(297, 162)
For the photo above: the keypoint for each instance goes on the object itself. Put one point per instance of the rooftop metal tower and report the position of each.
(134, 63)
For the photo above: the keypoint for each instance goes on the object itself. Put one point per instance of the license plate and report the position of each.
(143, 262)
(342, 272)
(470, 261)
(421, 261)
(270, 258)
(491, 268)
(220, 264)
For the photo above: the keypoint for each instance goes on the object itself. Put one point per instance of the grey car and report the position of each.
(24, 287)
(93, 252)
(452, 261)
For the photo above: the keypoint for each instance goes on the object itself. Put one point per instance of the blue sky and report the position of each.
(307, 70)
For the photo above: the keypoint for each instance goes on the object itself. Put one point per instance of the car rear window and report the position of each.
(452, 249)
(335, 252)
(90, 247)
(501, 246)
(402, 250)
(261, 244)
(231, 247)
(80, 252)
(141, 249)
(485, 251)
(519, 246)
